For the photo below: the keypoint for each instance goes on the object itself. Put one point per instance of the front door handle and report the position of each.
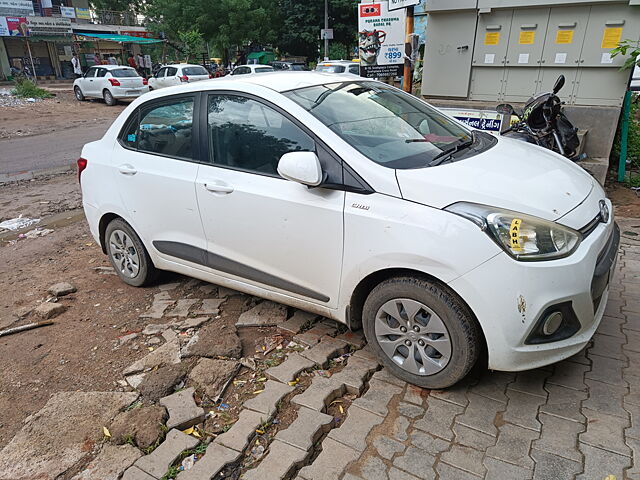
(218, 187)
(127, 169)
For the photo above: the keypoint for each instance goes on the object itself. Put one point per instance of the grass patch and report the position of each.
(27, 89)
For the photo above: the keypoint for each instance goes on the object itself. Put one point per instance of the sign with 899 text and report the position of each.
(381, 37)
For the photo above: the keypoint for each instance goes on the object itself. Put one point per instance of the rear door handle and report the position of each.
(127, 169)
(218, 187)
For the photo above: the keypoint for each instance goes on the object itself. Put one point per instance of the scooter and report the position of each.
(544, 123)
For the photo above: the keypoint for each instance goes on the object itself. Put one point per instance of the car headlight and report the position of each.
(522, 236)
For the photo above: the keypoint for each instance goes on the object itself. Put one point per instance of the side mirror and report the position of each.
(559, 84)
(301, 167)
(505, 109)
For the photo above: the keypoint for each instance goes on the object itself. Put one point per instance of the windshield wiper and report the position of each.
(455, 147)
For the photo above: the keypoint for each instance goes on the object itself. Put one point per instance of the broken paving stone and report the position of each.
(314, 334)
(288, 370)
(239, 435)
(110, 463)
(267, 401)
(212, 376)
(183, 411)
(161, 382)
(61, 289)
(135, 380)
(127, 338)
(105, 270)
(264, 314)
(48, 310)
(168, 286)
(306, 429)
(182, 307)
(162, 296)
(322, 352)
(210, 306)
(157, 309)
(157, 462)
(143, 425)
(355, 339)
(154, 329)
(61, 434)
(299, 319)
(192, 323)
(167, 354)
(212, 341)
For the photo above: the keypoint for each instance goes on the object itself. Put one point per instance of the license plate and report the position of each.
(133, 92)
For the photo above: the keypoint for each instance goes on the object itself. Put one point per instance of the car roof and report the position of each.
(284, 81)
(182, 65)
(113, 67)
(339, 62)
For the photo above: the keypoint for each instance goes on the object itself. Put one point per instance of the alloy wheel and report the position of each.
(413, 336)
(124, 254)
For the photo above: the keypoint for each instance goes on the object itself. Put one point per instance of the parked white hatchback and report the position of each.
(111, 83)
(360, 202)
(177, 74)
(251, 69)
(339, 66)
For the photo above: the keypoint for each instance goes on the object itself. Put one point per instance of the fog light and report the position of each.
(552, 323)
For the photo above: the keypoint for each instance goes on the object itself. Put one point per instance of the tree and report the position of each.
(192, 42)
(302, 21)
(116, 5)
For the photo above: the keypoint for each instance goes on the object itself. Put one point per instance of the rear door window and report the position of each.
(163, 128)
(124, 73)
(189, 71)
(101, 72)
(171, 71)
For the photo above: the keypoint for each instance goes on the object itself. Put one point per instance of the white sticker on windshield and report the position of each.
(523, 58)
(489, 57)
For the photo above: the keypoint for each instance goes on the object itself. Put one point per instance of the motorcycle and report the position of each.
(544, 123)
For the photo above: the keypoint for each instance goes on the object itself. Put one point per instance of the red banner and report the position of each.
(137, 34)
(370, 10)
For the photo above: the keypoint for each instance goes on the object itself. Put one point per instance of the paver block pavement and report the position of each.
(600, 463)
(549, 466)
(208, 467)
(289, 370)
(299, 319)
(331, 461)
(182, 409)
(319, 394)
(182, 307)
(522, 409)
(306, 429)
(606, 370)
(481, 413)
(169, 353)
(377, 398)
(239, 435)
(279, 462)
(514, 444)
(325, 350)
(157, 309)
(417, 462)
(387, 447)
(210, 306)
(565, 403)
(429, 443)
(559, 437)
(438, 419)
(606, 432)
(134, 473)
(158, 461)
(464, 458)
(354, 375)
(497, 469)
(315, 334)
(266, 402)
(355, 429)
(447, 472)
(110, 463)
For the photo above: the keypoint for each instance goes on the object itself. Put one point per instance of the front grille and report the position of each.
(605, 261)
(591, 226)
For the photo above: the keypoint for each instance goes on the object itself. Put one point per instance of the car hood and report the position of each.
(512, 174)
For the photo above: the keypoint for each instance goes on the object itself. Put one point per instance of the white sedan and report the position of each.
(177, 74)
(250, 69)
(111, 83)
(357, 201)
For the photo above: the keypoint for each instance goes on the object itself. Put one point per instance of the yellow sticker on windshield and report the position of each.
(514, 234)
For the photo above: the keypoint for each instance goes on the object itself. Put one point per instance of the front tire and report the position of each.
(78, 93)
(108, 98)
(421, 331)
(128, 255)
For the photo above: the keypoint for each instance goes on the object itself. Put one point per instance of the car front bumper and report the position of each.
(510, 299)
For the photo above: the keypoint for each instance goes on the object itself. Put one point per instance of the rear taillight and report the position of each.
(210, 76)
(82, 164)
(184, 78)
(145, 81)
(114, 82)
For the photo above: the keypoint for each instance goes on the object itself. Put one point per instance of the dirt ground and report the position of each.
(53, 114)
(626, 201)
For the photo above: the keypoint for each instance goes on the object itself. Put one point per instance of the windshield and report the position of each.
(124, 72)
(389, 126)
(192, 71)
(264, 69)
(331, 68)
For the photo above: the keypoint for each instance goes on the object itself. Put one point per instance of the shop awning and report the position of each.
(120, 38)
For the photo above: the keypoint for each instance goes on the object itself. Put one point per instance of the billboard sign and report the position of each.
(68, 12)
(83, 13)
(397, 4)
(16, 7)
(13, 27)
(49, 26)
(381, 37)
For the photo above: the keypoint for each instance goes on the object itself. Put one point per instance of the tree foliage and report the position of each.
(293, 26)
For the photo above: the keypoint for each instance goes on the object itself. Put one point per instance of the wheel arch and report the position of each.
(105, 220)
(368, 283)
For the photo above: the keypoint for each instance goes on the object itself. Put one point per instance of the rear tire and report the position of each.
(108, 98)
(421, 331)
(78, 93)
(128, 255)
